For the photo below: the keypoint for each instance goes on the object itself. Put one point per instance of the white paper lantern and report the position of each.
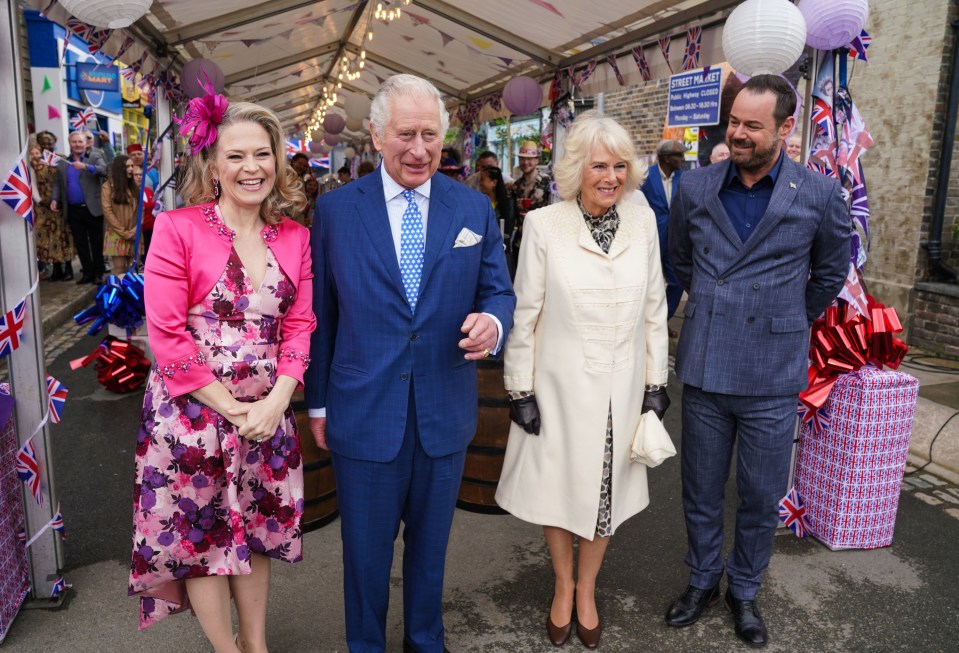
(764, 36)
(832, 24)
(349, 153)
(113, 14)
(357, 105)
(354, 124)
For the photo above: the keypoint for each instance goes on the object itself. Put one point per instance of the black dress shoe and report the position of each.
(408, 647)
(84, 278)
(750, 626)
(68, 271)
(558, 635)
(686, 610)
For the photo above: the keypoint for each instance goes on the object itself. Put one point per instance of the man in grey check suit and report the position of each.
(761, 246)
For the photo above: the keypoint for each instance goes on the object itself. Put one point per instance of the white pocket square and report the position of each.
(467, 238)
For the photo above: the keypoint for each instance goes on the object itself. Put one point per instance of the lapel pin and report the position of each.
(792, 184)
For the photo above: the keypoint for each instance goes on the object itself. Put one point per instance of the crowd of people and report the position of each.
(405, 279)
(85, 201)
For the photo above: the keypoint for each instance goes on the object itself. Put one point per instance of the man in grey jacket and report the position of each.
(761, 246)
(77, 195)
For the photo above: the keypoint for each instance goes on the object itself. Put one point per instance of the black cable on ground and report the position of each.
(928, 462)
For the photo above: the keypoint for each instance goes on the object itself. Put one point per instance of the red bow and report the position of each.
(121, 366)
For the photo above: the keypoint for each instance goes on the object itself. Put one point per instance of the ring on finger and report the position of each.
(486, 353)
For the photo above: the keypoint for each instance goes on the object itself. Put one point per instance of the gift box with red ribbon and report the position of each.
(14, 575)
(850, 471)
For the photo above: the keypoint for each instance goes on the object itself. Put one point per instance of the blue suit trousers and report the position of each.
(373, 498)
(674, 289)
(763, 429)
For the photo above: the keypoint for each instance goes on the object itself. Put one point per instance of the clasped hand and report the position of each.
(257, 420)
(481, 336)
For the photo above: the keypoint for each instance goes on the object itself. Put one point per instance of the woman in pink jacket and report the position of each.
(219, 479)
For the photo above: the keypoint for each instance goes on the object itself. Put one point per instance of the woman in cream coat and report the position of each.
(586, 355)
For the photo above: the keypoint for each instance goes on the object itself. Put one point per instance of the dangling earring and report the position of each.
(216, 188)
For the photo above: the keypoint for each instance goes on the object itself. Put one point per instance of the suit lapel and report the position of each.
(439, 224)
(371, 211)
(715, 206)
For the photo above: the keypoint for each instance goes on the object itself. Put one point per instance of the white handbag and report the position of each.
(651, 443)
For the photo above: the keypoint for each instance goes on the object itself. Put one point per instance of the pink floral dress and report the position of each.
(204, 497)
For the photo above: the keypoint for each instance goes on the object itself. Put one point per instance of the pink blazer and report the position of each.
(188, 254)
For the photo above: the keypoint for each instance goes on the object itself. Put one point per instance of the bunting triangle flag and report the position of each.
(46, 84)
(52, 112)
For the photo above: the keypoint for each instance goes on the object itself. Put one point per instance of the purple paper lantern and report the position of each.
(331, 139)
(197, 72)
(333, 123)
(316, 147)
(832, 24)
(522, 95)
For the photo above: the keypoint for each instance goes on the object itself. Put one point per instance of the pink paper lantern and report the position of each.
(832, 24)
(333, 123)
(522, 95)
(331, 139)
(197, 72)
(316, 147)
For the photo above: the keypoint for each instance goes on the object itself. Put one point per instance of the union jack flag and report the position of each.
(822, 117)
(793, 513)
(21, 535)
(57, 523)
(28, 469)
(11, 324)
(611, 60)
(17, 191)
(58, 397)
(321, 161)
(579, 79)
(640, 58)
(59, 587)
(129, 74)
(293, 146)
(818, 420)
(141, 62)
(664, 48)
(694, 36)
(94, 37)
(859, 45)
(127, 44)
(82, 119)
(49, 158)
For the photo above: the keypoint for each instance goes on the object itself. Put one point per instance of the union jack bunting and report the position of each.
(59, 587)
(793, 513)
(611, 60)
(579, 79)
(664, 48)
(640, 58)
(84, 118)
(57, 523)
(49, 158)
(859, 45)
(694, 36)
(58, 397)
(94, 37)
(28, 469)
(141, 62)
(129, 74)
(127, 44)
(21, 536)
(17, 192)
(11, 324)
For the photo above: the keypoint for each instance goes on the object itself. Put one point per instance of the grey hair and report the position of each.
(409, 85)
(589, 132)
(668, 147)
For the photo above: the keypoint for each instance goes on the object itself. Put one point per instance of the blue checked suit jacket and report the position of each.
(368, 347)
(750, 306)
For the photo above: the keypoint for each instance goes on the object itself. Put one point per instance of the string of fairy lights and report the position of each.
(351, 66)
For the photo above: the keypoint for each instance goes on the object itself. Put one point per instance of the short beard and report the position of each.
(757, 160)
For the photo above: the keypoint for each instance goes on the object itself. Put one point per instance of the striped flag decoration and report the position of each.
(611, 60)
(58, 397)
(664, 41)
(17, 192)
(11, 324)
(28, 469)
(694, 36)
(640, 58)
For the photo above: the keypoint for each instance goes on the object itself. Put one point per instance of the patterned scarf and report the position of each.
(602, 227)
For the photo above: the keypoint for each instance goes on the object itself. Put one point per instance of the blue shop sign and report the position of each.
(97, 77)
(694, 98)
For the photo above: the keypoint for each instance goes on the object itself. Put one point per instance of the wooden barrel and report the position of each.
(484, 456)
(319, 483)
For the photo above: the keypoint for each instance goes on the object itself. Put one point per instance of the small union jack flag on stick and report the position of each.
(793, 513)
(17, 191)
(49, 158)
(57, 523)
(58, 397)
(694, 36)
(59, 587)
(859, 45)
(84, 118)
(28, 469)
(11, 324)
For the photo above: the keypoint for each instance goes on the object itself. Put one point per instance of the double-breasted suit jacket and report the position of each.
(369, 347)
(589, 333)
(750, 305)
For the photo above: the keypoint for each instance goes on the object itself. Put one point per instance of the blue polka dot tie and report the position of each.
(411, 248)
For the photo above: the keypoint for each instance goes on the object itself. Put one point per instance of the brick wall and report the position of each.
(935, 318)
(642, 111)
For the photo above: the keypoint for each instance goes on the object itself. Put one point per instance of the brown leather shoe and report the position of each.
(558, 636)
(589, 638)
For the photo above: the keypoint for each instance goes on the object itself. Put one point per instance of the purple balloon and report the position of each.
(333, 123)
(197, 72)
(522, 95)
(331, 139)
(316, 147)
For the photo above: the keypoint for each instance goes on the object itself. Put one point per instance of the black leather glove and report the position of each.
(525, 412)
(656, 401)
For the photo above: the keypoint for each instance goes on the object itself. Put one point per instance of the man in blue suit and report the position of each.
(762, 247)
(411, 288)
(660, 189)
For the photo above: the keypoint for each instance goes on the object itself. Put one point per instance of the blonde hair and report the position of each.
(287, 196)
(590, 132)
